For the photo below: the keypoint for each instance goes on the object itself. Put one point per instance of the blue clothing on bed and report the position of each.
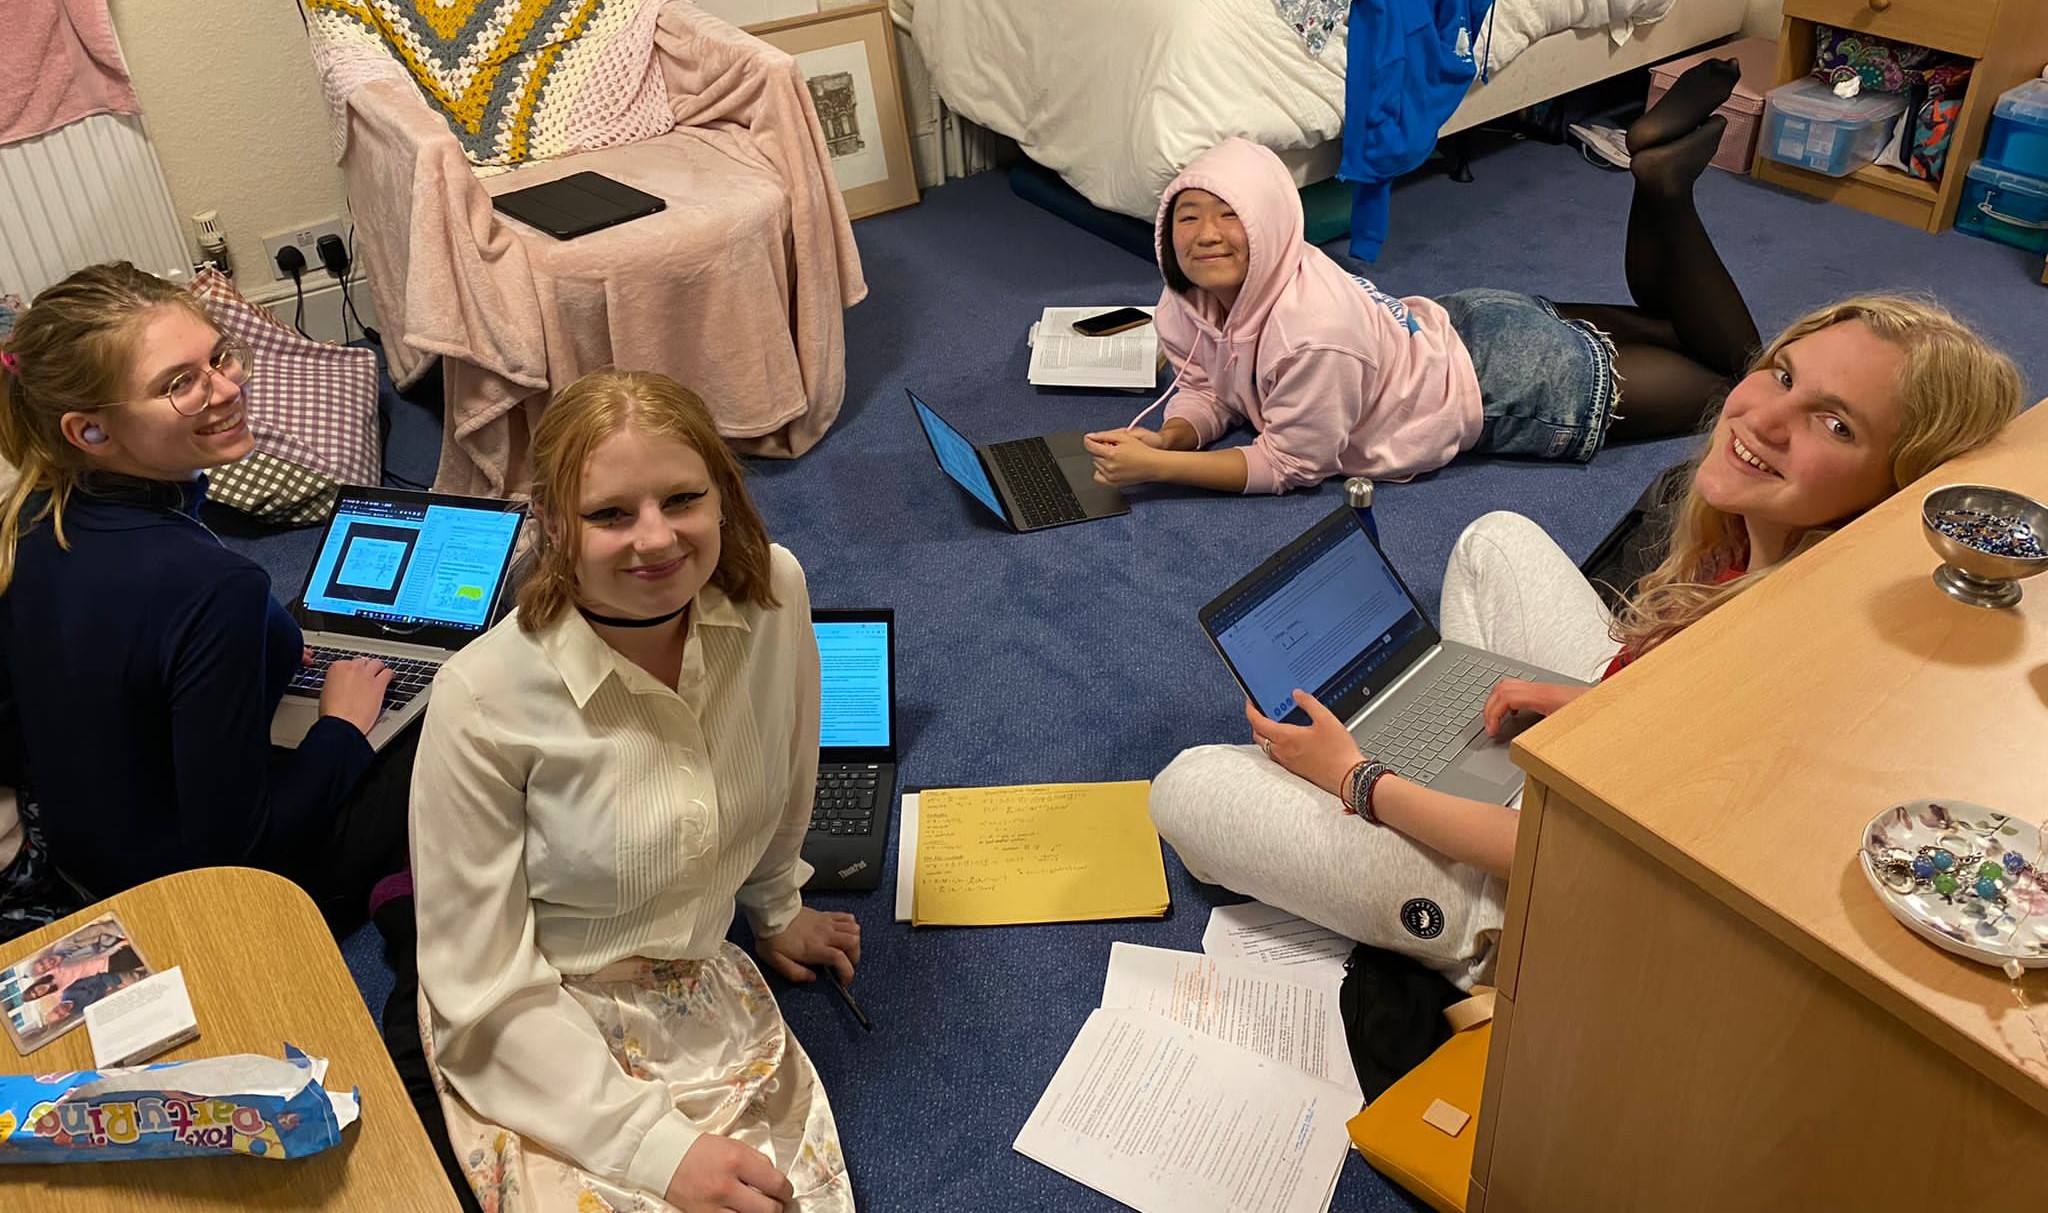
(1408, 65)
(138, 674)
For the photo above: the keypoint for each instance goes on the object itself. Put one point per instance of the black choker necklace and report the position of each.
(614, 621)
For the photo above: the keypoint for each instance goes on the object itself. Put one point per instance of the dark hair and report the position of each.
(46, 984)
(1169, 261)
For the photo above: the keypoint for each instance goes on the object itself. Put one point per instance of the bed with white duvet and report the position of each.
(1117, 96)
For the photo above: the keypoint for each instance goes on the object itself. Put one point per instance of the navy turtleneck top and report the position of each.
(139, 671)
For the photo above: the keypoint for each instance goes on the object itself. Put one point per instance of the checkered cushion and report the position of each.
(274, 490)
(311, 403)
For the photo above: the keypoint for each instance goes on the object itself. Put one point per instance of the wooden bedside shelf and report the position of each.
(2007, 38)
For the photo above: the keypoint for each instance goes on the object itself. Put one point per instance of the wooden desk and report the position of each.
(1703, 1005)
(262, 970)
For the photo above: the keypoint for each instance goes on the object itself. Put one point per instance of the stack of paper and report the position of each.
(1067, 852)
(1202, 1086)
(1061, 357)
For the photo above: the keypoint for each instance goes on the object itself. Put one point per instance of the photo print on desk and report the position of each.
(45, 993)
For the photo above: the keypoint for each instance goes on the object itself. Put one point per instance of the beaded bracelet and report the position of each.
(1358, 788)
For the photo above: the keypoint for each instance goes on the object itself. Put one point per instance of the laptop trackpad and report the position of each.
(1489, 759)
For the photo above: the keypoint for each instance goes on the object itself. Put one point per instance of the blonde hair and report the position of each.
(574, 425)
(70, 352)
(1955, 393)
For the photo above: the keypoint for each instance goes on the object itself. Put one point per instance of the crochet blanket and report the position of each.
(517, 80)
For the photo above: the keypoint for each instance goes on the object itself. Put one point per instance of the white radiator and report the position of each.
(87, 192)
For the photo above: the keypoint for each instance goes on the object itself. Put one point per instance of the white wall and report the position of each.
(231, 102)
(1764, 18)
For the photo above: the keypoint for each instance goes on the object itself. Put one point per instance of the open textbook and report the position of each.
(1061, 357)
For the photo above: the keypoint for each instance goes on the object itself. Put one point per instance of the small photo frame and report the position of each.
(45, 994)
(848, 58)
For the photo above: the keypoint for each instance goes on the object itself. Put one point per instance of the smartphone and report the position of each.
(1111, 322)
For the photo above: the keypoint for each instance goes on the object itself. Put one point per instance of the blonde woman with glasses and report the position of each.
(1852, 403)
(140, 660)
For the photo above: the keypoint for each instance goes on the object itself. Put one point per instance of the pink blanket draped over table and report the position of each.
(746, 314)
(58, 63)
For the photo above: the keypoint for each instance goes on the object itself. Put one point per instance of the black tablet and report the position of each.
(577, 204)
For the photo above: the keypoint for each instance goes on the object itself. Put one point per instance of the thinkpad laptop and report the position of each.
(407, 578)
(1032, 483)
(1328, 614)
(856, 747)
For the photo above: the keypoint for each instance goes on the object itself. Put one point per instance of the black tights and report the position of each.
(1690, 335)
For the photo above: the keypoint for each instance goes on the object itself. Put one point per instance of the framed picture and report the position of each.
(748, 13)
(848, 58)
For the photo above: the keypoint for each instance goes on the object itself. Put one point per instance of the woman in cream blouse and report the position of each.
(601, 777)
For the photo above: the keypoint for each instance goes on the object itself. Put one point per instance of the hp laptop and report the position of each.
(856, 747)
(1328, 614)
(1032, 483)
(407, 578)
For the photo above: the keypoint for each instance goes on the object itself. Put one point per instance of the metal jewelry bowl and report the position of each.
(1973, 575)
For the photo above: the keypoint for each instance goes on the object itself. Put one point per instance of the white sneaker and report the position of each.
(1604, 142)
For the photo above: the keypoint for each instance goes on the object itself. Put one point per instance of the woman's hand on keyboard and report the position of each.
(354, 691)
(1321, 751)
(1520, 695)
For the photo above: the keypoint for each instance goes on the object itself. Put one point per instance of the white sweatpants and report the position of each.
(1238, 819)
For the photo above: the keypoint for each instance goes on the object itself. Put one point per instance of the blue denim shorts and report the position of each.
(1547, 385)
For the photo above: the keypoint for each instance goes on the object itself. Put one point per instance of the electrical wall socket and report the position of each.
(307, 238)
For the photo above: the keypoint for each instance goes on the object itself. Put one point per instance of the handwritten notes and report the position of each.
(1066, 852)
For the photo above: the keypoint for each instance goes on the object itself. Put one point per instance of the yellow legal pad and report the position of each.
(1055, 852)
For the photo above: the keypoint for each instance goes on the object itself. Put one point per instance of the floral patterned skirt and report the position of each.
(711, 1030)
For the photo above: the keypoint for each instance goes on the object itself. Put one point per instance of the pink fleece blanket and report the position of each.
(58, 63)
(735, 290)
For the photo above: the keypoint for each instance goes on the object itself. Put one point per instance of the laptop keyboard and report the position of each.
(1427, 732)
(1037, 487)
(409, 675)
(846, 799)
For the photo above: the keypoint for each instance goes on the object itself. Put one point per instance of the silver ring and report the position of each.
(1266, 744)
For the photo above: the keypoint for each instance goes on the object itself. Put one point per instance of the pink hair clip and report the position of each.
(12, 363)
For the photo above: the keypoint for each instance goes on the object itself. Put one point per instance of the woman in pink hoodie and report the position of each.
(1339, 378)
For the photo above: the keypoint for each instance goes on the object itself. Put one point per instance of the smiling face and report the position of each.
(1806, 441)
(145, 436)
(647, 522)
(1209, 242)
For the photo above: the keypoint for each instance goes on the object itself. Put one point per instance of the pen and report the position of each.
(846, 996)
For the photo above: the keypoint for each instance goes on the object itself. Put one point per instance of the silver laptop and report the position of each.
(1328, 614)
(407, 578)
(1030, 483)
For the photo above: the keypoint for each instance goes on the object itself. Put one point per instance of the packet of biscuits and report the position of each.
(242, 1104)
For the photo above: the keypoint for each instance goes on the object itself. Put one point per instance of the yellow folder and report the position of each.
(1060, 852)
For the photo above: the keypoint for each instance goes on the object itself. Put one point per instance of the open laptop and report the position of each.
(1031, 483)
(404, 577)
(1328, 614)
(856, 747)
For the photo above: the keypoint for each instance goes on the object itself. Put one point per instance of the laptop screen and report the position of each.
(856, 670)
(397, 563)
(1326, 614)
(957, 455)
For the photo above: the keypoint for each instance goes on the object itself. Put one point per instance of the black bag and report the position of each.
(1638, 542)
(1393, 1010)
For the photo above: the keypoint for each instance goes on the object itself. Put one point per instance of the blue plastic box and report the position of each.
(2011, 208)
(2018, 142)
(1807, 125)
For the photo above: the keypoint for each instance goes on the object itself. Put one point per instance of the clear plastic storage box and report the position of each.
(2011, 208)
(1807, 125)
(2018, 142)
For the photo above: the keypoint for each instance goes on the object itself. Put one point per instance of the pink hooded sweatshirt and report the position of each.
(1336, 377)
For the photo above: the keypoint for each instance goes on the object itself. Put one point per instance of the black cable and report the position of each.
(299, 312)
(348, 300)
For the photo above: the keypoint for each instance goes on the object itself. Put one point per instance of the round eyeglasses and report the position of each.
(189, 392)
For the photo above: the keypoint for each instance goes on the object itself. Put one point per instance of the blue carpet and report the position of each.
(1074, 654)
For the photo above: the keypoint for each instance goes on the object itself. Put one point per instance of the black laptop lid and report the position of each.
(419, 568)
(1327, 613)
(857, 683)
(577, 204)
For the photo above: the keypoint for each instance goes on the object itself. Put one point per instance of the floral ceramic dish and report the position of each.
(1964, 878)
